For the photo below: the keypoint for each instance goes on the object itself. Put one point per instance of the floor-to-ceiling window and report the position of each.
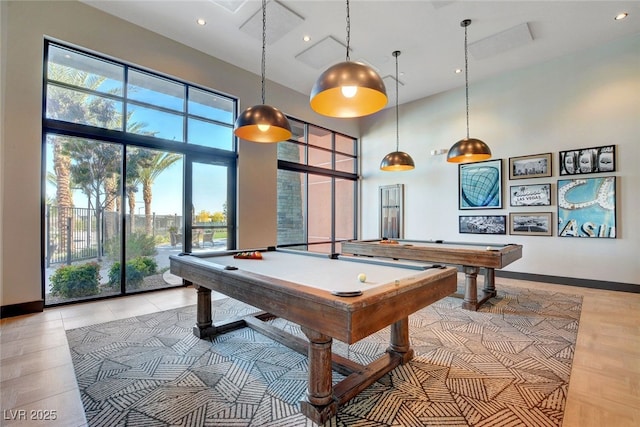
(125, 155)
(317, 189)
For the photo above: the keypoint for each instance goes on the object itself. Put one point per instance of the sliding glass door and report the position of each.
(152, 217)
(210, 207)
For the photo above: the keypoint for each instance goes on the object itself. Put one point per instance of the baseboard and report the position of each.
(571, 281)
(21, 308)
(38, 306)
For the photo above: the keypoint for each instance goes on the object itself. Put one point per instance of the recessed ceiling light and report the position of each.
(621, 16)
(201, 21)
(306, 38)
(458, 70)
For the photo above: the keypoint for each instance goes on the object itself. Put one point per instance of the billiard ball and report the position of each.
(362, 277)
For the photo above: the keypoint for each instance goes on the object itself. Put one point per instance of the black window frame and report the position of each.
(332, 173)
(126, 139)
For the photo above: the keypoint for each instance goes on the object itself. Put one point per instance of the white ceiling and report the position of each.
(428, 33)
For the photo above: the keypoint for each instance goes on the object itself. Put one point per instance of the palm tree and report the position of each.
(66, 104)
(64, 195)
(159, 163)
(81, 106)
(111, 206)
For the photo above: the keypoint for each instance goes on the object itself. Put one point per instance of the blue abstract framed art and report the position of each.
(480, 185)
(587, 207)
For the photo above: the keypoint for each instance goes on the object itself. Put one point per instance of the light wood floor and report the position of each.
(37, 372)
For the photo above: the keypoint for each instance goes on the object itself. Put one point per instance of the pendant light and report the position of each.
(348, 89)
(397, 161)
(262, 123)
(468, 149)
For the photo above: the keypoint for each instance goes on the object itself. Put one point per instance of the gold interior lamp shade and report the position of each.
(348, 89)
(262, 123)
(468, 150)
(396, 162)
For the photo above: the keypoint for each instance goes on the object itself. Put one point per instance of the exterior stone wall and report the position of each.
(291, 224)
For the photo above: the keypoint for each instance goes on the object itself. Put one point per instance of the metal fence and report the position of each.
(72, 234)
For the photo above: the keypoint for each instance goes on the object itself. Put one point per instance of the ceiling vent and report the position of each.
(501, 42)
(280, 21)
(390, 81)
(326, 52)
(231, 5)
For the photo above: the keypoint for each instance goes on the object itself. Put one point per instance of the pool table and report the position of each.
(325, 296)
(471, 256)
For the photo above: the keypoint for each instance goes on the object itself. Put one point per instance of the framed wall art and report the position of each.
(534, 166)
(530, 195)
(391, 211)
(587, 207)
(588, 160)
(530, 223)
(479, 224)
(480, 185)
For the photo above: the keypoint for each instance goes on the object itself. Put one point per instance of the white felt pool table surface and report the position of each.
(321, 272)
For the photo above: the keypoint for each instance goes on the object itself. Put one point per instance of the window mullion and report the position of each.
(125, 92)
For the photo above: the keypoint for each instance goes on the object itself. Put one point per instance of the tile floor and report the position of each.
(38, 386)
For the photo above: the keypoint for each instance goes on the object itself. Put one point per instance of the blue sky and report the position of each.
(209, 192)
(158, 105)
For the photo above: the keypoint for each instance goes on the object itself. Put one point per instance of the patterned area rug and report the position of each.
(506, 365)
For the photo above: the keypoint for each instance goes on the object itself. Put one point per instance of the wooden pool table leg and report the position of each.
(319, 404)
(470, 287)
(490, 281)
(399, 340)
(471, 301)
(204, 326)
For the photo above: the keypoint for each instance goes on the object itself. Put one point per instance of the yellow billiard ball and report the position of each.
(362, 277)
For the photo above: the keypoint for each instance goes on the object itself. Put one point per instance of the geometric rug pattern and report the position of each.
(507, 364)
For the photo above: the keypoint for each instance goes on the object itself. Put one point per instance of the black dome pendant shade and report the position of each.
(262, 123)
(397, 161)
(468, 149)
(348, 89)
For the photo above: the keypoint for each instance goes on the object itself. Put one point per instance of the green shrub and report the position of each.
(72, 281)
(146, 265)
(138, 245)
(135, 271)
(133, 277)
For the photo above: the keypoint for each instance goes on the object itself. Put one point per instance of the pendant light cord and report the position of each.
(466, 73)
(348, 31)
(396, 53)
(264, 45)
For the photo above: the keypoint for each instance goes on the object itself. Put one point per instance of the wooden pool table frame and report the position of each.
(471, 256)
(322, 317)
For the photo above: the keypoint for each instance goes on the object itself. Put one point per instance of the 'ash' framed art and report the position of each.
(587, 207)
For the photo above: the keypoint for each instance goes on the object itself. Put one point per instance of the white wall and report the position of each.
(584, 100)
(25, 25)
(3, 48)
(587, 100)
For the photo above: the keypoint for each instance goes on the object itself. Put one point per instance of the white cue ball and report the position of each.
(362, 277)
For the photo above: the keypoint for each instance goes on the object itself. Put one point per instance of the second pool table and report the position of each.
(471, 256)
